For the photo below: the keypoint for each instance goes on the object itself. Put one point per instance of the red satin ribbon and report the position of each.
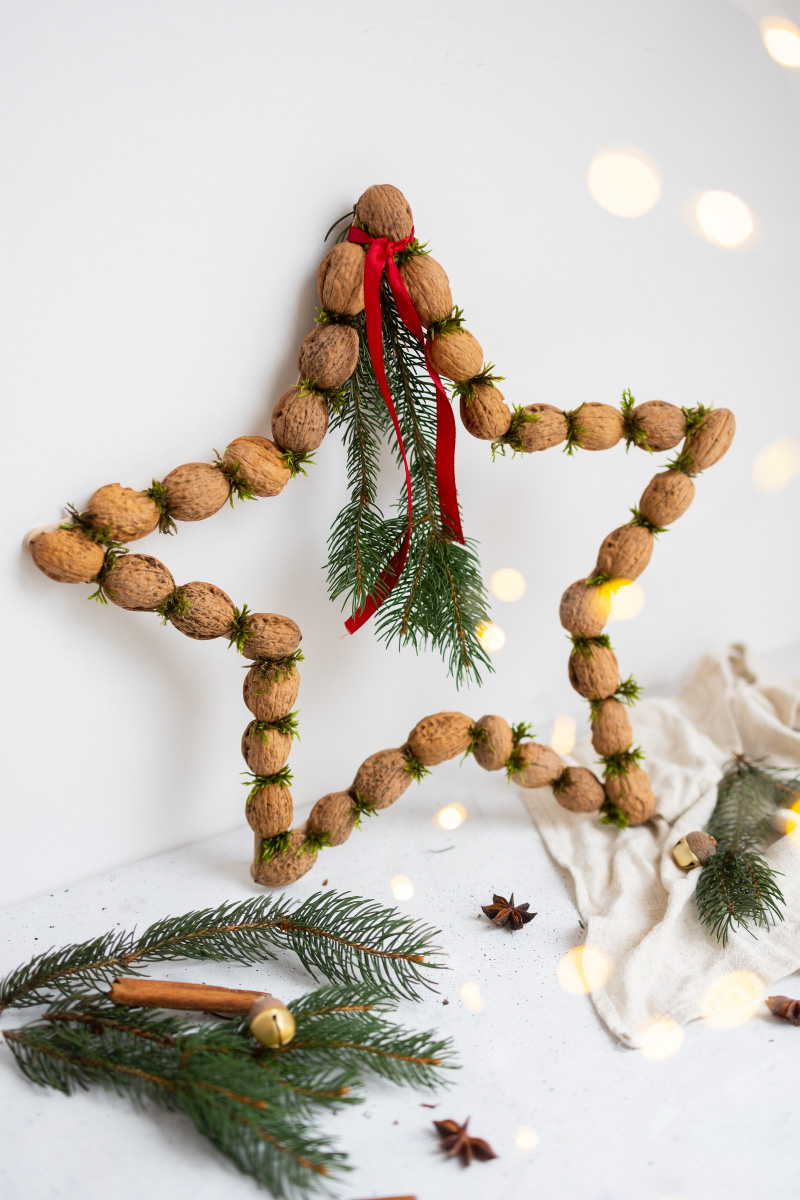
(379, 257)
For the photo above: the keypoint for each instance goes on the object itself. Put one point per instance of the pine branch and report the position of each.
(340, 935)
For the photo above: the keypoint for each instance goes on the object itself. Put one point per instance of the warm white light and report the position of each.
(583, 970)
(793, 823)
(508, 584)
(661, 1038)
(624, 181)
(733, 999)
(491, 636)
(526, 1138)
(627, 602)
(776, 464)
(451, 816)
(402, 887)
(724, 218)
(563, 738)
(782, 39)
(471, 995)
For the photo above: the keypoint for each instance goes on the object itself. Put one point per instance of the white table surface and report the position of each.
(717, 1119)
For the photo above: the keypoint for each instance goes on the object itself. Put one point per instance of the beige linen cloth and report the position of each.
(637, 906)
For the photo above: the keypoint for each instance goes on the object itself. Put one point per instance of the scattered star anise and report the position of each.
(455, 1140)
(506, 912)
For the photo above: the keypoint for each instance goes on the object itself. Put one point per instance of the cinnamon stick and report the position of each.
(199, 997)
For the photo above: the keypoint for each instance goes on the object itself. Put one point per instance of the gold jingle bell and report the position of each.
(271, 1023)
(694, 850)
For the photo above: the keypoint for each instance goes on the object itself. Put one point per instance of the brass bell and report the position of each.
(694, 850)
(271, 1023)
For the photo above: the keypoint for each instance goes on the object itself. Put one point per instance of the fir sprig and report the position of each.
(635, 434)
(574, 430)
(512, 438)
(158, 494)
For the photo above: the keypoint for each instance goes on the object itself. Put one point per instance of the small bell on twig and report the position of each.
(694, 850)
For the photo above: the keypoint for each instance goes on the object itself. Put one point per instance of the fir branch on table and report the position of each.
(738, 887)
(343, 937)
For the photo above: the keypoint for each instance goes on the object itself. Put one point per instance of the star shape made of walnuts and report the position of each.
(506, 912)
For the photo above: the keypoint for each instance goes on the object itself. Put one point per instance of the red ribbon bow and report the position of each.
(380, 257)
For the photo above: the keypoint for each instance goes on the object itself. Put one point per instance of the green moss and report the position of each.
(582, 647)
(414, 766)
(512, 438)
(449, 324)
(465, 388)
(279, 844)
(158, 494)
(177, 604)
(574, 430)
(362, 808)
(619, 764)
(643, 523)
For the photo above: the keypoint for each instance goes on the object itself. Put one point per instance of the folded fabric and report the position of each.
(638, 907)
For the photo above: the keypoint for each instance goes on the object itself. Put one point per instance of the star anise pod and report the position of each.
(454, 1139)
(506, 912)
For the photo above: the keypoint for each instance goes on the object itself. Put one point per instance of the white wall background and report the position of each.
(170, 170)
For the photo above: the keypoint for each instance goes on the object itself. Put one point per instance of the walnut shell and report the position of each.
(584, 610)
(442, 736)
(485, 413)
(549, 428)
(300, 420)
(611, 728)
(711, 440)
(382, 778)
(625, 553)
(581, 791)
(340, 279)
(663, 424)
(286, 868)
(209, 612)
(601, 426)
(428, 288)
(66, 555)
(542, 766)
(266, 754)
(384, 212)
(269, 699)
(271, 636)
(501, 743)
(457, 355)
(126, 513)
(139, 583)
(632, 795)
(597, 677)
(269, 811)
(195, 491)
(333, 814)
(329, 354)
(260, 464)
(666, 497)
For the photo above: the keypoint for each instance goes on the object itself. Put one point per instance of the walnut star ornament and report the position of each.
(506, 912)
(454, 1139)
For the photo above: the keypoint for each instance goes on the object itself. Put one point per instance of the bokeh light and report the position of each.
(782, 40)
(793, 823)
(526, 1138)
(627, 602)
(776, 465)
(724, 219)
(451, 816)
(583, 970)
(624, 181)
(563, 737)
(491, 636)
(402, 887)
(508, 584)
(471, 995)
(661, 1038)
(733, 999)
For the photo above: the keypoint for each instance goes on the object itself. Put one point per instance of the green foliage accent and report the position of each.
(682, 461)
(297, 461)
(583, 647)
(611, 815)
(277, 844)
(102, 537)
(336, 397)
(520, 731)
(616, 765)
(237, 484)
(478, 736)
(563, 782)
(465, 388)
(362, 808)
(695, 417)
(314, 842)
(240, 629)
(269, 670)
(635, 435)
(574, 430)
(414, 249)
(414, 766)
(326, 316)
(158, 494)
(177, 604)
(287, 725)
(628, 691)
(597, 580)
(643, 523)
(449, 324)
(512, 438)
(515, 764)
(738, 888)
(281, 779)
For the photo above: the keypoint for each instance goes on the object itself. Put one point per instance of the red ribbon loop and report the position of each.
(379, 257)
